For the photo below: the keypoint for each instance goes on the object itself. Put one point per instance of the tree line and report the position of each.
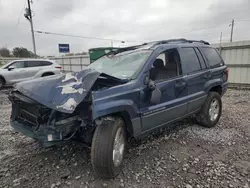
(16, 52)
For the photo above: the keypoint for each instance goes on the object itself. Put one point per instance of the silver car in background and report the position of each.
(26, 69)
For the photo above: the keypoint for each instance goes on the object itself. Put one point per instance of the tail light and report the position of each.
(58, 67)
(227, 71)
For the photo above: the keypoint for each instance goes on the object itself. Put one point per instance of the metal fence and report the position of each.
(236, 56)
(72, 63)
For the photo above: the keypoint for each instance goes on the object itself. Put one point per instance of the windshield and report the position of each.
(3, 65)
(123, 65)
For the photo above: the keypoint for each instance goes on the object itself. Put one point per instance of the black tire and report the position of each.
(47, 74)
(102, 147)
(203, 118)
(2, 82)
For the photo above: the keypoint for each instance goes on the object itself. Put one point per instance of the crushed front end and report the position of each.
(37, 121)
(57, 108)
(52, 109)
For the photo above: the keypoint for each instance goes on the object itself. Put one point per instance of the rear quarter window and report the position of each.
(45, 63)
(202, 61)
(213, 57)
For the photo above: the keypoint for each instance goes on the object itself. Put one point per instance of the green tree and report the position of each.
(33, 55)
(22, 52)
(4, 52)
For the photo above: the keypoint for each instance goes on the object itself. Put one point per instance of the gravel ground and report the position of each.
(181, 155)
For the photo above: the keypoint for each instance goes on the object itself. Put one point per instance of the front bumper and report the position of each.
(47, 137)
(41, 123)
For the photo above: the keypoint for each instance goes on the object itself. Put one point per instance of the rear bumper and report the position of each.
(224, 88)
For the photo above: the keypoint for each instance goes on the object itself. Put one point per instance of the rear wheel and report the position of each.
(108, 147)
(211, 110)
(2, 82)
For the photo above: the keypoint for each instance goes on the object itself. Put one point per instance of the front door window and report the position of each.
(166, 66)
(17, 65)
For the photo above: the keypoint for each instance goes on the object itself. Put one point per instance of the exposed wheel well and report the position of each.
(217, 89)
(47, 74)
(126, 118)
(1, 77)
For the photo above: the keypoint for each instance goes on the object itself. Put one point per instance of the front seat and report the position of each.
(158, 67)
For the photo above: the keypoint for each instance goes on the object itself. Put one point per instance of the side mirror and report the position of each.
(11, 68)
(155, 96)
(155, 92)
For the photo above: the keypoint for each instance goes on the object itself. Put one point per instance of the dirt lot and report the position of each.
(182, 155)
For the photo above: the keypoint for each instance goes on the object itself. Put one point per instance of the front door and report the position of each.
(18, 73)
(166, 73)
(33, 67)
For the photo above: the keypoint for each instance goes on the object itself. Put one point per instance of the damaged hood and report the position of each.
(60, 92)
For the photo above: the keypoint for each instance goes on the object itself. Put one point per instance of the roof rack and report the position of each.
(200, 41)
(181, 40)
(120, 50)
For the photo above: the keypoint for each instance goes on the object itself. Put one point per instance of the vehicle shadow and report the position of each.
(75, 148)
(168, 130)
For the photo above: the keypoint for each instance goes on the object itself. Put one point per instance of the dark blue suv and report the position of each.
(126, 93)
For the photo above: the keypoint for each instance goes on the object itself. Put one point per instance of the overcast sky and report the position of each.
(131, 20)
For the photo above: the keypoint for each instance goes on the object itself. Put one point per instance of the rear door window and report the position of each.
(212, 57)
(32, 64)
(189, 60)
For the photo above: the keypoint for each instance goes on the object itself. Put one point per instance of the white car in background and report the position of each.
(26, 69)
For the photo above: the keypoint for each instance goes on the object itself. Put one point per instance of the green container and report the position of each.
(96, 53)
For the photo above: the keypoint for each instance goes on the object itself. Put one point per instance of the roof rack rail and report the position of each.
(182, 40)
(200, 41)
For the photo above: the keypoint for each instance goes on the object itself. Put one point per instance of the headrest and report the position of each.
(158, 63)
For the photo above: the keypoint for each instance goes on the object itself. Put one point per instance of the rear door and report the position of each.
(51, 67)
(32, 67)
(169, 81)
(196, 75)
